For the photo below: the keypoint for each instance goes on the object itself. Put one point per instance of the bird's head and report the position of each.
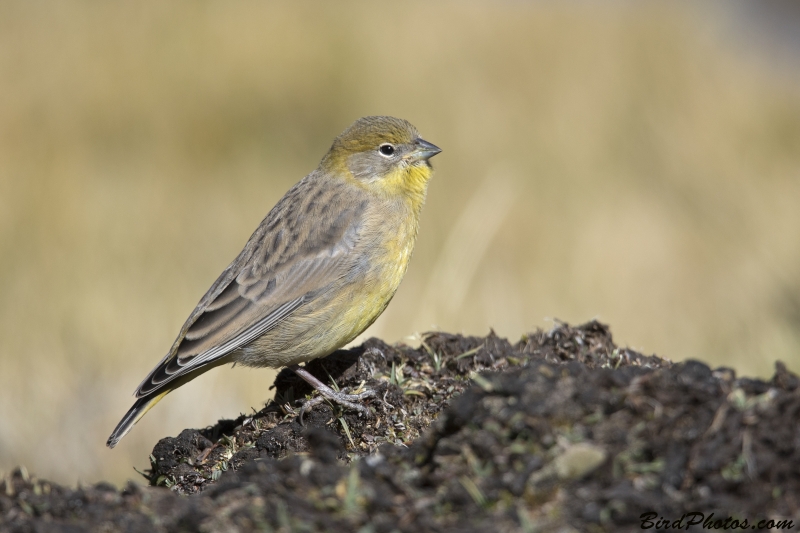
(385, 154)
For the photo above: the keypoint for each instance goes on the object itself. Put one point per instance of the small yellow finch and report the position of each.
(320, 268)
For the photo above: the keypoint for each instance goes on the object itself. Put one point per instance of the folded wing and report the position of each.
(296, 253)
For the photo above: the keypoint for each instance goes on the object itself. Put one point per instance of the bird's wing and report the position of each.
(300, 249)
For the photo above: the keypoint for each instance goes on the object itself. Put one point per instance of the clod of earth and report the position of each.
(562, 431)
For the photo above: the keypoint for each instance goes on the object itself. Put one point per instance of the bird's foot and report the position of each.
(351, 401)
(326, 393)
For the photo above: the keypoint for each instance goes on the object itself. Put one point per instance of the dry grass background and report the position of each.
(639, 164)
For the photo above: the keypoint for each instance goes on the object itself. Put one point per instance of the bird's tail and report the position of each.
(140, 407)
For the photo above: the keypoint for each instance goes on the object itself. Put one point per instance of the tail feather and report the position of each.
(137, 411)
(144, 404)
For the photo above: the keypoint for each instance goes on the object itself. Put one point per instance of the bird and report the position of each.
(319, 269)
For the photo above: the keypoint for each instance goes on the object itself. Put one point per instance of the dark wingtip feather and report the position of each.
(137, 411)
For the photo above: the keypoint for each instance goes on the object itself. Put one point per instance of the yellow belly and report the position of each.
(333, 319)
(366, 303)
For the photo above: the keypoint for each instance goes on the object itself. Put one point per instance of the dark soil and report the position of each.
(562, 431)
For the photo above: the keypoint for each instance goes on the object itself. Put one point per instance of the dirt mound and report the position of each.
(561, 430)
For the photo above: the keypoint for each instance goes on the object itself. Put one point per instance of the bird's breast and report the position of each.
(387, 244)
(394, 239)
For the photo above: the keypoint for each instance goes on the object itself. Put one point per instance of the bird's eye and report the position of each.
(386, 150)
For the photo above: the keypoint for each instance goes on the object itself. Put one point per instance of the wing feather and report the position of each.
(225, 297)
(283, 266)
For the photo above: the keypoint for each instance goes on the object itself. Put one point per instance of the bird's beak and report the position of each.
(424, 150)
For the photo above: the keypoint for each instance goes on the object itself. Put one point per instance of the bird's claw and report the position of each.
(341, 398)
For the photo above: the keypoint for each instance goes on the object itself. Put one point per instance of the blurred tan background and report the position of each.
(638, 163)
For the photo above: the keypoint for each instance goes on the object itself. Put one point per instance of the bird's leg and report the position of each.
(327, 393)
